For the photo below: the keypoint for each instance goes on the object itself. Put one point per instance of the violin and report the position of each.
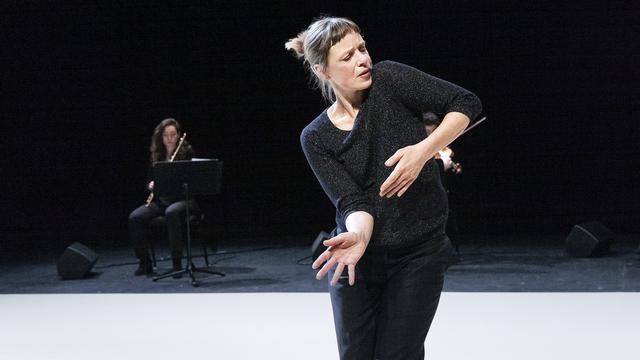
(456, 168)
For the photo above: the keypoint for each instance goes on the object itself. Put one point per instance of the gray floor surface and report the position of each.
(485, 264)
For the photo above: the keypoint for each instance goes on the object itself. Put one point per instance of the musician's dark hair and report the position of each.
(157, 149)
(430, 118)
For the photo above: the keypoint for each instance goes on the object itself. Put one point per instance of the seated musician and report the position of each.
(448, 171)
(443, 157)
(166, 145)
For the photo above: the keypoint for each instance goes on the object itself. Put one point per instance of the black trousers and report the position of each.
(140, 218)
(388, 312)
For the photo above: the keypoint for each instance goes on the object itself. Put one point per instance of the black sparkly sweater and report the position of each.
(350, 164)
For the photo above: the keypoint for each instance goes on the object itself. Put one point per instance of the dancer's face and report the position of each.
(349, 64)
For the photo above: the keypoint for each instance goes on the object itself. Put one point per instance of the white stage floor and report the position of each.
(299, 326)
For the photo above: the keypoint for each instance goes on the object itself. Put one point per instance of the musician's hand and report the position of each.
(150, 186)
(344, 250)
(446, 161)
(410, 160)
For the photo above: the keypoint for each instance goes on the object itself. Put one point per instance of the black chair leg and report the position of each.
(152, 250)
(204, 250)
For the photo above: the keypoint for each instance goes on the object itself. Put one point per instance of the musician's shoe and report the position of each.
(144, 267)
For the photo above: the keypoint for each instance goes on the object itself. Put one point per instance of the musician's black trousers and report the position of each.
(388, 312)
(174, 213)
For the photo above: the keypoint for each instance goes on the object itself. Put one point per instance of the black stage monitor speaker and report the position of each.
(589, 239)
(76, 261)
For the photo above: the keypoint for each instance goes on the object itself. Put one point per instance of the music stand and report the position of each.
(188, 178)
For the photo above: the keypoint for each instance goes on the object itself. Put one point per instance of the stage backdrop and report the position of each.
(84, 84)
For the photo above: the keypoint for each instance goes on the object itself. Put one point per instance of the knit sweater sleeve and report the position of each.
(344, 192)
(422, 92)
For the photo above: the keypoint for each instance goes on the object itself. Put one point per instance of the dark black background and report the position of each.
(84, 83)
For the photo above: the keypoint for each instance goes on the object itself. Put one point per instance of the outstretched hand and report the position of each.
(410, 160)
(344, 250)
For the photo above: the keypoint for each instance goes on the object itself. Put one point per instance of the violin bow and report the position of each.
(472, 126)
